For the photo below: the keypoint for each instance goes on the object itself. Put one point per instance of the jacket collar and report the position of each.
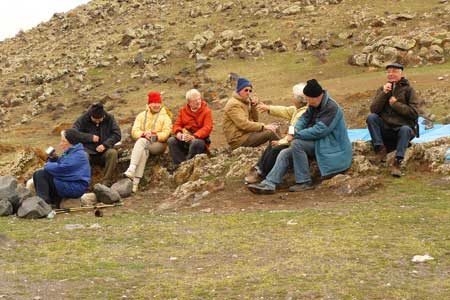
(238, 97)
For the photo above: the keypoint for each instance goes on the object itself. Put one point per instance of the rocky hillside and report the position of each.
(116, 51)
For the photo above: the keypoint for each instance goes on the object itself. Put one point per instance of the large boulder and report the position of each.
(8, 185)
(105, 194)
(123, 187)
(34, 208)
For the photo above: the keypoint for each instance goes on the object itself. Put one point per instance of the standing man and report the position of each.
(320, 133)
(191, 129)
(392, 122)
(100, 133)
(240, 119)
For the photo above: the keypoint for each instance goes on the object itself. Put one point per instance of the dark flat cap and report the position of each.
(395, 66)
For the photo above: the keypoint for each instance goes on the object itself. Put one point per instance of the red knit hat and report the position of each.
(154, 97)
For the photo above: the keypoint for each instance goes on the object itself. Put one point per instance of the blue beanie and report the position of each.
(242, 83)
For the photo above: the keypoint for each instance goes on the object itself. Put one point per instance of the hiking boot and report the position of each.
(380, 156)
(135, 187)
(300, 187)
(253, 177)
(396, 168)
(261, 188)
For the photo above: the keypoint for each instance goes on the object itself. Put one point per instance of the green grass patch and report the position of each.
(357, 250)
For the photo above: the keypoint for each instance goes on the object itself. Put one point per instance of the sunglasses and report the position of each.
(247, 90)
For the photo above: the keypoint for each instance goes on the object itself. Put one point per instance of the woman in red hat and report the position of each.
(151, 129)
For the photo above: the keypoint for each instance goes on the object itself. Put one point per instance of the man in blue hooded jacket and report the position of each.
(67, 176)
(320, 133)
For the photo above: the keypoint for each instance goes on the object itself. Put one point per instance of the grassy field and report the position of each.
(358, 250)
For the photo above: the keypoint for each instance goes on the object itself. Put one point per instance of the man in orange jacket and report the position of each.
(191, 129)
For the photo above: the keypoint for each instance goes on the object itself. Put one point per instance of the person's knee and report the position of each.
(405, 131)
(285, 154)
(172, 141)
(372, 118)
(38, 174)
(297, 144)
(198, 144)
(111, 154)
(141, 141)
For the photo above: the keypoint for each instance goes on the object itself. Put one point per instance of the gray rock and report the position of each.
(105, 194)
(8, 185)
(88, 199)
(33, 208)
(6, 208)
(123, 187)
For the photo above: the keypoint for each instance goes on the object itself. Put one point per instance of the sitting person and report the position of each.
(292, 113)
(191, 129)
(67, 176)
(320, 133)
(151, 129)
(392, 121)
(240, 119)
(100, 133)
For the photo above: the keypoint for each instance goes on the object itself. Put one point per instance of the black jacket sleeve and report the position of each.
(115, 134)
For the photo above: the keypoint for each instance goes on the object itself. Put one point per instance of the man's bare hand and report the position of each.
(100, 148)
(274, 143)
(254, 100)
(188, 137)
(387, 87)
(392, 100)
(95, 138)
(261, 107)
(271, 127)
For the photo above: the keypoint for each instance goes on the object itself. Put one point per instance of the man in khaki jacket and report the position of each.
(240, 119)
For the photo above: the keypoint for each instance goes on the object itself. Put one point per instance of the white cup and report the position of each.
(50, 150)
(291, 130)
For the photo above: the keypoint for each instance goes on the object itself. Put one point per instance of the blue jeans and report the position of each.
(297, 156)
(381, 134)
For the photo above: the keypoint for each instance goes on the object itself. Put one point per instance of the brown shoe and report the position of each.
(380, 156)
(253, 177)
(395, 169)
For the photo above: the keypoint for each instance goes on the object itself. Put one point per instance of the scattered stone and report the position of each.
(105, 194)
(422, 258)
(6, 208)
(33, 208)
(123, 187)
(74, 226)
(88, 199)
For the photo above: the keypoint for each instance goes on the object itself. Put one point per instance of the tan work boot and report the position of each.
(253, 177)
(395, 169)
(380, 156)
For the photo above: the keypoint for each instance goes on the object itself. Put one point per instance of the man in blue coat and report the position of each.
(67, 176)
(320, 133)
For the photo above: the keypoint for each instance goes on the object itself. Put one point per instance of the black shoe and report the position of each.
(261, 188)
(300, 187)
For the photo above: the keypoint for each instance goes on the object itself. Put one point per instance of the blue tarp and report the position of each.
(426, 135)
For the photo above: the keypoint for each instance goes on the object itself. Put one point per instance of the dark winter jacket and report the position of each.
(108, 131)
(403, 112)
(325, 125)
(71, 172)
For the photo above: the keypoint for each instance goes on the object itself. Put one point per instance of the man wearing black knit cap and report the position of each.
(320, 133)
(392, 121)
(99, 132)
